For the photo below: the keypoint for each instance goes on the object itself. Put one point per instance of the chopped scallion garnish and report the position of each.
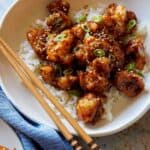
(112, 57)
(74, 93)
(58, 70)
(97, 19)
(82, 18)
(129, 38)
(87, 35)
(58, 21)
(68, 71)
(99, 53)
(37, 69)
(85, 28)
(130, 67)
(131, 24)
(139, 72)
(49, 37)
(60, 37)
(75, 49)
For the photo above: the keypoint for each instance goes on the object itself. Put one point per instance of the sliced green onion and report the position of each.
(39, 26)
(99, 53)
(87, 35)
(58, 21)
(37, 69)
(58, 70)
(129, 38)
(130, 67)
(85, 28)
(60, 37)
(97, 19)
(139, 72)
(74, 93)
(49, 37)
(112, 57)
(68, 71)
(131, 24)
(82, 18)
(75, 48)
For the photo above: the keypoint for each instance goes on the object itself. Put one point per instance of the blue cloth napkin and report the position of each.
(33, 136)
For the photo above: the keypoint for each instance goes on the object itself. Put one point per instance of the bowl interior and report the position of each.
(13, 30)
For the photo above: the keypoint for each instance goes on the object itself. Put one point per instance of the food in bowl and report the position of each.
(86, 60)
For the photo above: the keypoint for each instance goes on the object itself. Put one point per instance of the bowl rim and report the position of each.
(104, 133)
(13, 133)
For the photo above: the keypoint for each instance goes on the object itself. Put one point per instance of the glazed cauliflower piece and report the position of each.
(48, 73)
(89, 108)
(91, 81)
(78, 31)
(117, 20)
(58, 49)
(102, 66)
(37, 39)
(59, 6)
(58, 21)
(129, 83)
(67, 82)
(135, 51)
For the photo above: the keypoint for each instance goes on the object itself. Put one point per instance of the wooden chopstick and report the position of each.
(41, 100)
(38, 83)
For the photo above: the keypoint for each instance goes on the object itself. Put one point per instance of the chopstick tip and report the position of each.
(79, 148)
(94, 146)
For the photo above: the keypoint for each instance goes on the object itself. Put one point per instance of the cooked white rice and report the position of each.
(27, 54)
(32, 61)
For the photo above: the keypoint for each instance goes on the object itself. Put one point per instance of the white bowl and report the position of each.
(8, 133)
(13, 27)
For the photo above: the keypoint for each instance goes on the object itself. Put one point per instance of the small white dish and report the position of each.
(13, 27)
(8, 137)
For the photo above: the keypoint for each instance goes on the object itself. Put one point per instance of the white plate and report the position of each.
(13, 29)
(8, 137)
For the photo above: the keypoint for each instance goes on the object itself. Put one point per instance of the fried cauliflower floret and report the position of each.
(48, 73)
(140, 61)
(115, 17)
(59, 5)
(84, 53)
(129, 83)
(78, 32)
(93, 82)
(117, 56)
(37, 39)
(92, 26)
(131, 15)
(58, 50)
(108, 45)
(67, 82)
(102, 66)
(135, 48)
(58, 21)
(87, 107)
(92, 42)
(116, 12)
(81, 55)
